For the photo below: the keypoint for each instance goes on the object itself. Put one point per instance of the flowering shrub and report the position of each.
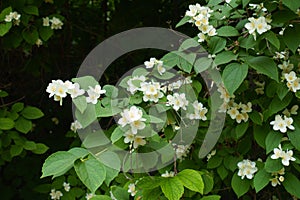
(255, 47)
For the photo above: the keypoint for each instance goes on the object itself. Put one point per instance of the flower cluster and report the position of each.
(54, 23)
(177, 84)
(13, 17)
(199, 111)
(200, 17)
(246, 168)
(286, 156)
(59, 90)
(293, 82)
(168, 174)
(278, 178)
(181, 150)
(259, 25)
(260, 87)
(151, 91)
(134, 118)
(75, 126)
(153, 62)
(282, 124)
(134, 83)
(177, 101)
(55, 194)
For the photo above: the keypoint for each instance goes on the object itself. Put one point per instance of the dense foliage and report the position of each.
(253, 64)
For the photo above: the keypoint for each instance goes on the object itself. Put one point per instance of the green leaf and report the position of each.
(101, 197)
(40, 148)
(291, 184)
(16, 150)
(294, 137)
(272, 38)
(111, 174)
(91, 172)
(261, 180)
(17, 107)
(276, 105)
(184, 20)
(150, 182)
(116, 134)
(140, 72)
(282, 90)
(4, 28)
(290, 37)
(227, 31)
(29, 145)
(192, 180)
(222, 171)
(172, 188)
(260, 134)
(256, 117)
(241, 129)
(80, 103)
(111, 91)
(225, 57)
(202, 64)
(6, 123)
(23, 125)
(214, 162)
(30, 35)
(211, 197)
(30, 112)
(120, 193)
(45, 32)
(272, 165)
(58, 164)
(239, 186)
(273, 139)
(264, 65)
(85, 82)
(233, 76)
(88, 116)
(186, 61)
(170, 60)
(32, 10)
(216, 44)
(188, 43)
(5, 12)
(79, 152)
(292, 5)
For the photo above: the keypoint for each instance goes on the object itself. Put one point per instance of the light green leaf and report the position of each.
(211, 197)
(170, 60)
(111, 91)
(233, 76)
(239, 186)
(202, 64)
(140, 72)
(85, 82)
(186, 61)
(188, 43)
(116, 134)
(101, 197)
(264, 65)
(79, 152)
(4, 28)
(291, 184)
(184, 20)
(91, 172)
(111, 174)
(225, 57)
(88, 116)
(32, 10)
(261, 180)
(58, 164)
(120, 193)
(80, 103)
(227, 31)
(17, 107)
(172, 188)
(273, 139)
(6, 123)
(29, 145)
(192, 180)
(30, 112)
(23, 125)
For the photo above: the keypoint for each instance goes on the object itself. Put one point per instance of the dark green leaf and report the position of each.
(264, 65)
(30, 112)
(227, 31)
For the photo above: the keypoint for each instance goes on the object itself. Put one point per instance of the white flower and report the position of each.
(259, 25)
(151, 63)
(161, 70)
(94, 94)
(134, 83)
(38, 42)
(13, 16)
(177, 101)
(66, 186)
(88, 196)
(131, 189)
(58, 89)
(199, 111)
(294, 85)
(286, 67)
(138, 141)
(193, 11)
(227, 1)
(55, 194)
(132, 117)
(168, 174)
(246, 168)
(211, 154)
(289, 121)
(75, 91)
(212, 32)
(56, 23)
(233, 112)
(151, 91)
(201, 37)
(251, 25)
(181, 150)
(75, 126)
(286, 156)
(279, 124)
(290, 77)
(275, 182)
(46, 21)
